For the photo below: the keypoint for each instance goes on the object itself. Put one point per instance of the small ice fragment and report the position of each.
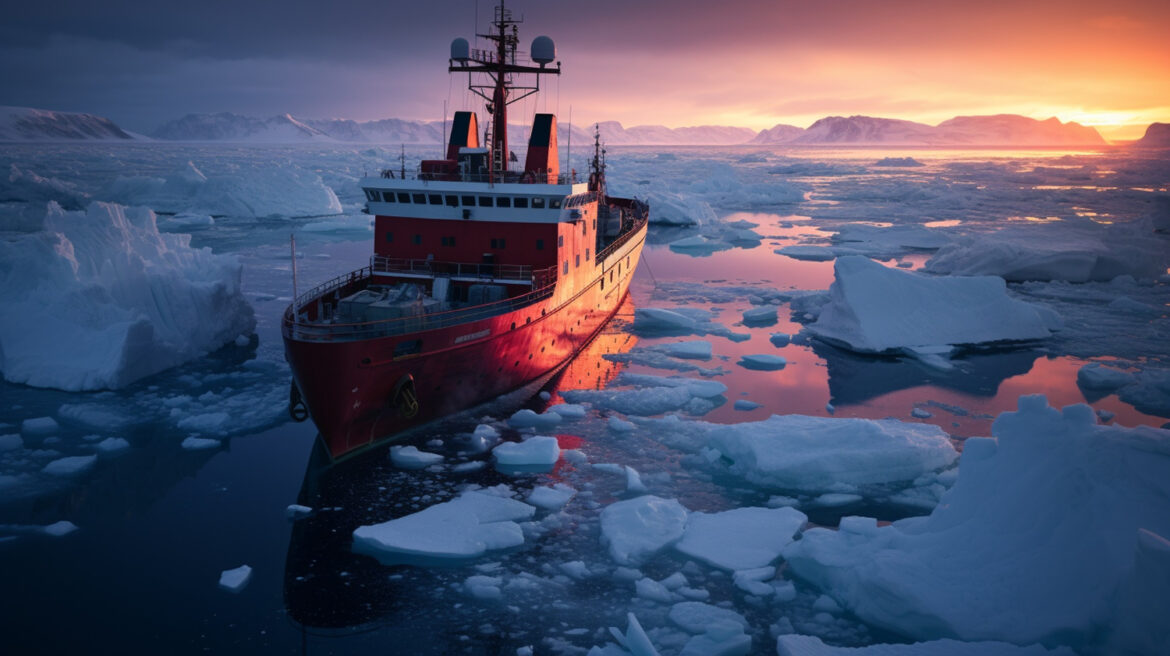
(1094, 376)
(637, 528)
(619, 425)
(243, 340)
(760, 315)
(70, 465)
(112, 444)
(744, 405)
(39, 426)
(538, 451)
(551, 498)
(568, 410)
(825, 603)
(634, 484)
(634, 640)
(762, 362)
(830, 408)
(647, 588)
(14, 441)
(234, 580)
(485, 431)
(919, 413)
(544, 396)
(692, 350)
(296, 511)
(465, 467)
(780, 340)
(200, 443)
(1105, 415)
(409, 457)
(483, 587)
(575, 569)
(526, 650)
(58, 529)
(760, 535)
(526, 418)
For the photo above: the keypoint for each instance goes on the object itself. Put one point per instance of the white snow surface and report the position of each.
(1049, 493)
(463, 528)
(757, 536)
(873, 309)
(100, 298)
(817, 454)
(636, 529)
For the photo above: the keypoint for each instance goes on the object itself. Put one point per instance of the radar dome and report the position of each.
(544, 51)
(460, 50)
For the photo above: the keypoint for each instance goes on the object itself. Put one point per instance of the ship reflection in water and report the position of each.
(332, 592)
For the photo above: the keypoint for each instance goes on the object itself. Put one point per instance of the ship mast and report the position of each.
(499, 65)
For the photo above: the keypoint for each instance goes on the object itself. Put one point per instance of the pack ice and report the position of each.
(99, 299)
(873, 309)
(1053, 533)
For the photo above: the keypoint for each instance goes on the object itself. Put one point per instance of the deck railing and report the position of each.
(509, 272)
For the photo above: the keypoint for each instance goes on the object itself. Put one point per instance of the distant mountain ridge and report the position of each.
(1007, 130)
(1157, 136)
(28, 124)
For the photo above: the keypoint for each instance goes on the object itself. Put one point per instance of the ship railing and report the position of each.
(510, 177)
(635, 214)
(343, 332)
(488, 271)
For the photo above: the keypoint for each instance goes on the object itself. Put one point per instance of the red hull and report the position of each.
(349, 386)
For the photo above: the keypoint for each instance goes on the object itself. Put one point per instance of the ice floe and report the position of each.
(538, 451)
(873, 309)
(635, 529)
(807, 645)
(410, 457)
(463, 528)
(760, 535)
(235, 580)
(762, 361)
(1014, 532)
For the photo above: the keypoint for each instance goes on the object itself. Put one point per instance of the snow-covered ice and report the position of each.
(537, 451)
(234, 580)
(410, 457)
(635, 529)
(1050, 492)
(762, 361)
(200, 443)
(463, 528)
(100, 298)
(70, 465)
(873, 309)
(551, 497)
(759, 536)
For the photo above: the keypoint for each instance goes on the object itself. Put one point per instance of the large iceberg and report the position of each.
(100, 298)
(1040, 540)
(873, 308)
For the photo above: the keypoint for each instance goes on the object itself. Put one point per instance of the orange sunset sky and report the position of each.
(753, 63)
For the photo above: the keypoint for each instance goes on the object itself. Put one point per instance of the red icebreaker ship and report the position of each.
(483, 278)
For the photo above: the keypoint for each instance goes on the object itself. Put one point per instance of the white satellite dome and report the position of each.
(544, 51)
(460, 50)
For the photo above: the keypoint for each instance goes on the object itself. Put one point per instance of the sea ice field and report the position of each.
(867, 401)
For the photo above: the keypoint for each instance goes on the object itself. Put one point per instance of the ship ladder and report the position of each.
(404, 398)
(296, 405)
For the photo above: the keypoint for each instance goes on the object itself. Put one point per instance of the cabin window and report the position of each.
(435, 199)
(560, 241)
(469, 201)
(447, 241)
(594, 223)
(420, 199)
(627, 263)
(578, 260)
(370, 195)
(521, 201)
(417, 239)
(498, 243)
(603, 284)
(540, 244)
(389, 237)
(409, 347)
(485, 201)
(403, 197)
(565, 267)
(538, 203)
(586, 254)
(388, 196)
(554, 203)
(503, 201)
(452, 200)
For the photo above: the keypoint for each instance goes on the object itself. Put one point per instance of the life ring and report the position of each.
(404, 399)
(296, 404)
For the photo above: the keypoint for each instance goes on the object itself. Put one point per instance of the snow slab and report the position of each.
(1095, 376)
(760, 315)
(463, 528)
(1051, 491)
(873, 308)
(690, 350)
(743, 405)
(636, 529)
(568, 410)
(538, 451)
(551, 498)
(526, 418)
(297, 511)
(696, 617)
(806, 645)
(101, 298)
(758, 536)
(37, 425)
(234, 580)
(112, 445)
(409, 457)
(200, 443)
(59, 529)
(14, 441)
(762, 361)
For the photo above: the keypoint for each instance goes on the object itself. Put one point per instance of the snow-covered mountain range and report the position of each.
(27, 124)
(23, 124)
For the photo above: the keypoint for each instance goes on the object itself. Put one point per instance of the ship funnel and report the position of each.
(544, 51)
(461, 50)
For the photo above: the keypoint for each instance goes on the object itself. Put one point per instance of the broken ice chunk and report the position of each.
(234, 580)
(637, 528)
(762, 362)
(409, 457)
(760, 535)
(539, 451)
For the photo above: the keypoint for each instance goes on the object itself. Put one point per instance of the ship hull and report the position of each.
(353, 389)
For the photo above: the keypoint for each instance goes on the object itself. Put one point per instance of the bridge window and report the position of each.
(420, 199)
(538, 203)
(521, 201)
(452, 200)
(586, 254)
(389, 237)
(388, 196)
(560, 241)
(498, 243)
(417, 239)
(407, 348)
(403, 197)
(485, 201)
(578, 260)
(370, 195)
(565, 267)
(436, 199)
(540, 244)
(554, 203)
(469, 201)
(447, 241)
(503, 201)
